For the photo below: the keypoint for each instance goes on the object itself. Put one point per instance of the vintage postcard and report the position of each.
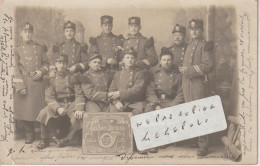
(132, 82)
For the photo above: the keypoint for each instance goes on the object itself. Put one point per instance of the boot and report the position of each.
(29, 131)
(43, 144)
(202, 152)
(153, 150)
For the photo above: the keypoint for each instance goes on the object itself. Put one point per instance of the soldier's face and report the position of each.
(134, 29)
(166, 61)
(195, 33)
(26, 35)
(107, 28)
(178, 38)
(61, 66)
(69, 33)
(95, 64)
(129, 60)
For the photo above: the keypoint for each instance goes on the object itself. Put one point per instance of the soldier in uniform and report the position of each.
(77, 52)
(64, 98)
(164, 89)
(31, 65)
(198, 62)
(127, 87)
(95, 84)
(146, 54)
(179, 47)
(108, 45)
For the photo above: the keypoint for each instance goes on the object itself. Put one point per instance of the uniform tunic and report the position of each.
(164, 89)
(29, 57)
(64, 87)
(178, 53)
(77, 54)
(95, 86)
(146, 53)
(199, 62)
(130, 84)
(107, 46)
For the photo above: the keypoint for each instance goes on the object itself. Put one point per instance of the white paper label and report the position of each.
(177, 123)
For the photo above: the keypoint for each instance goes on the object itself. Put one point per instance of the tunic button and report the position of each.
(73, 45)
(182, 53)
(128, 41)
(35, 51)
(172, 49)
(159, 80)
(73, 50)
(105, 43)
(127, 47)
(23, 46)
(36, 62)
(33, 46)
(190, 60)
(72, 61)
(24, 51)
(193, 48)
(181, 58)
(62, 50)
(135, 46)
(105, 49)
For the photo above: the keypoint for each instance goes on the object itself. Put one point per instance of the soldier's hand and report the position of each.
(110, 94)
(38, 75)
(121, 65)
(115, 95)
(158, 107)
(78, 114)
(183, 70)
(72, 69)
(111, 61)
(119, 106)
(52, 74)
(22, 92)
(61, 111)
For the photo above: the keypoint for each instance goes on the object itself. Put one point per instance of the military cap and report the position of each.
(134, 20)
(94, 56)
(196, 23)
(178, 28)
(61, 58)
(27, 26)
(106, 19)
(69, 24)
(166, 51)
(130, 51)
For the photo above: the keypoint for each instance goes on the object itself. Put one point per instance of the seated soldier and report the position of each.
(164, 89)
(64, 98)
(95, 83)
(127, 87)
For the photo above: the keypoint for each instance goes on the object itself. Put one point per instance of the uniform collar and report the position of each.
(106, 34)
(173, 69)
(63, 74)
(136, 36)
(179, 46)
(130, 68)
(198, 39)
(94, 71)
(28, 42)
(70, 41)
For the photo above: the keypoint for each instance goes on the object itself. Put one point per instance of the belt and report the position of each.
(66, 99)
(163, 96)
(29, 74)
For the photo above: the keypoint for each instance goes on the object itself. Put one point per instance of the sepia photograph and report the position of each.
(128, 82)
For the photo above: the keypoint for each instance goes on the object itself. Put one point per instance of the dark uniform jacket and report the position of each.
(77, 54)
(29, 57)
(107, 45)
(146, 53)
(130, 84)
(164, 88)
(178, 52)
(199, 61)
(95, 85)
(65, 92)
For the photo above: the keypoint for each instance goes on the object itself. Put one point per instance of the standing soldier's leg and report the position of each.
(29, 131)
(203, 142)
(44, 136)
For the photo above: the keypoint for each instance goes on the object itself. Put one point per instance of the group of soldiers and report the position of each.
(116, 74)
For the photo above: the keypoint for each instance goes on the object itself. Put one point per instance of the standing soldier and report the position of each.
(64, 98)
(164, 89)
(107, 45)
(30, 66)
(198, 62)
(95, 84)
(179, 47)
(146, 54)
(77, 52)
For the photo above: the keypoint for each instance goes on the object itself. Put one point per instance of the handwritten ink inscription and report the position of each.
(178, 123)
(6, 85)
(246, 81)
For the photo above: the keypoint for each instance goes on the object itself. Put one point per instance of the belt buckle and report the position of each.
(163, 96)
